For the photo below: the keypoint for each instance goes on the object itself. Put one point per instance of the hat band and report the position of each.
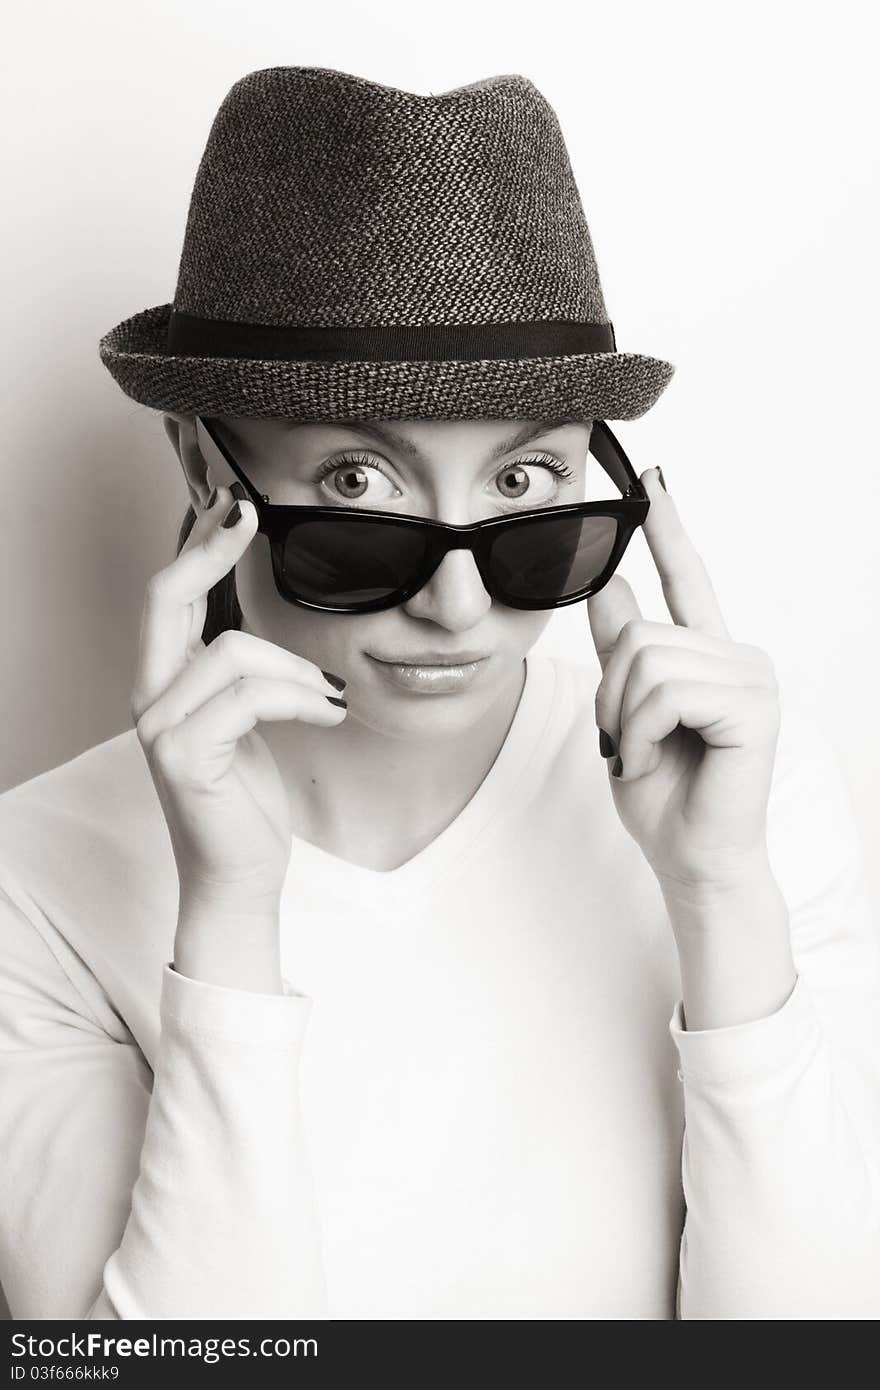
(192, 336)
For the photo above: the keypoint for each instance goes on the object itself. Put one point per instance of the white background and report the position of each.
(726, 158)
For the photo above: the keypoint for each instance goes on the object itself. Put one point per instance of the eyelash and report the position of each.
(363, 461)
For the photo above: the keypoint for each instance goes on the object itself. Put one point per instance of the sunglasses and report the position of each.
(347, 560)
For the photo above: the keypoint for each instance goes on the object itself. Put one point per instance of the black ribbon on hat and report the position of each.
(192, 336)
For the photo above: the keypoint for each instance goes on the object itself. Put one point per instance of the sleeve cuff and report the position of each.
(276, 1021)
(754, 1049)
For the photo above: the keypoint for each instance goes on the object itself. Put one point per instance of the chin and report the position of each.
(398, 714)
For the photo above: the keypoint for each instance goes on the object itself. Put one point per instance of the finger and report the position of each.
(643, 739)
(205, 518)
(647, 653)
(608, 611)
(166, 621)
(687, 588)
(232, 657)
(725, 716)
(201, 748)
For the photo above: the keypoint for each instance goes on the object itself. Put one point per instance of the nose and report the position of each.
(455, 596)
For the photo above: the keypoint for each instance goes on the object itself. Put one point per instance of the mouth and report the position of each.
(430, 674)
(432, 659)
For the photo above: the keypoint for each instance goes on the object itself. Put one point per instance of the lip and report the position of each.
(428, 676)
(432, 659)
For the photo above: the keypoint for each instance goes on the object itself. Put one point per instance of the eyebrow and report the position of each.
(387, 435)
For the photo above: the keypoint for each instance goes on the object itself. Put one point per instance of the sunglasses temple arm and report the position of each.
(231, 465)
(607, 448)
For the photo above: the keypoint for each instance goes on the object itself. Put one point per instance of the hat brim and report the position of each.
(579, 386)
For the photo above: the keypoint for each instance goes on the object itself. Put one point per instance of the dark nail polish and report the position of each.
(239, 490)
(211, 500)
(337, 700)
(607, 746)
(232, 515)
(617, 768)
(662, 480)
(336, 681)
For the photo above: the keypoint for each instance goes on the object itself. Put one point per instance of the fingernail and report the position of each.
(232, 515)
(662, 480)
(337, 700)
(239, 490)
(211, 500)
(617, 768)
(336, 681)
(607, 746)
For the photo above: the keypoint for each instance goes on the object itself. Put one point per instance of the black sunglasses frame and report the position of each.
(275, 521)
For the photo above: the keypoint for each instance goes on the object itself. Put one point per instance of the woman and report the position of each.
(397, 1007)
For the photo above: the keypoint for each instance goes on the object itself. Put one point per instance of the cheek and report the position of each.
(265, 613)
(260, 602)
(330, 640)
(525, 626)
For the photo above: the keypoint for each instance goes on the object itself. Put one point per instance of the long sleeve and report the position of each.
(781, 1153)
(125, 1193)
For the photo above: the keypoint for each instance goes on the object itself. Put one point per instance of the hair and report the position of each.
(224, 613)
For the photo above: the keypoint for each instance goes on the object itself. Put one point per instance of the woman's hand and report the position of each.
(195, 708)
(695, 717)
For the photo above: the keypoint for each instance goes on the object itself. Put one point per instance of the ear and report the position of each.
(181, 430)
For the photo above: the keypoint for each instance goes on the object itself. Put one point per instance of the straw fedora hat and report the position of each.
(353, 250)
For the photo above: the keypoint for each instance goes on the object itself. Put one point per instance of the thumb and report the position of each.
(608, 610)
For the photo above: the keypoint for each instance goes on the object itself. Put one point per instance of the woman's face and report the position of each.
(452, 471)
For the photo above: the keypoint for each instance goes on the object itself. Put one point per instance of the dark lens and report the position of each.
(542, 561)
(350, 559)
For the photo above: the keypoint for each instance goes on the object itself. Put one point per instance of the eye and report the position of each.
(352, 476)
(517, 480)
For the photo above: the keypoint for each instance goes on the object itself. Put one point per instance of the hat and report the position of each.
(353, 250)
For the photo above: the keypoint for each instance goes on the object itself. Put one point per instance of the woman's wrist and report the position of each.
(237, 952)
(734, 949)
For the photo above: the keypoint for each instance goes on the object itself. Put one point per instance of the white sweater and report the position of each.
(470, 1102)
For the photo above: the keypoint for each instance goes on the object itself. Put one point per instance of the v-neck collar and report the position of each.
(341, 878)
